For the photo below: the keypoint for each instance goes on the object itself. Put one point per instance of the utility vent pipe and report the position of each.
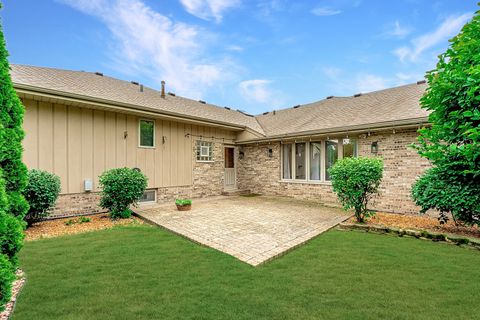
(162, 94)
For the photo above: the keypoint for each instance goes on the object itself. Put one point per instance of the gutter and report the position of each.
(357, 129)
(121, 106)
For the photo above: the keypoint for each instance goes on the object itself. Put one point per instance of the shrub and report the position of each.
(452, 142)
(41, 193)
(121, 188)
(183, 202)
(356, 181)
(7, 276)
(448, 193)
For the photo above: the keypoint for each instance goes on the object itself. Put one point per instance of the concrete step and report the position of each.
(236, 192)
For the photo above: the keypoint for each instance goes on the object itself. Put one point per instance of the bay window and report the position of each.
(331, 155)
(300, 161)
(287, 161)
(315, 160)
(310, 161)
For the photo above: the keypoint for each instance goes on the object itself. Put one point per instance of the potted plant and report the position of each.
(183, 204)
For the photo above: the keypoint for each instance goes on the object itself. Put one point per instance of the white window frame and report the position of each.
(140, 132)
(149, 202)
(307, 162)
(210, 150)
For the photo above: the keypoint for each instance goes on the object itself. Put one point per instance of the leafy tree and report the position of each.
(451, 143)
(11, 120)
(356, 182)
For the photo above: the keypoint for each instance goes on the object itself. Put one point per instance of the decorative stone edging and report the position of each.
(419, 234)
(16, 288)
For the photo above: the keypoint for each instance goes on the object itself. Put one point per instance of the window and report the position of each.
(310, 161)
(300, 161)
(349, 148)
(331, 155)
(148, 196)
(287, 161)
(204, 151)
(147, 133)
(315, 160)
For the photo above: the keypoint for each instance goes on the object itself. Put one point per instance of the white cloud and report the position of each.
(256, 90)
(450, 27)
(398, 31)
(150, 45)
(325, 11)
(370, 82)
(209, 9)
(345, 83)
(235, 48)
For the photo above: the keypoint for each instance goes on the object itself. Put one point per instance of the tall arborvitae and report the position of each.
(11, 119)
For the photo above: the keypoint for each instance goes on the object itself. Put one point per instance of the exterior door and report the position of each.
(230, 170)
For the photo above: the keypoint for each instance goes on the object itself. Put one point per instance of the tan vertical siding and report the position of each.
(74, 133)
(60, 144)
(30, 143)
(98, 145)
(45, 136)
(79, 143)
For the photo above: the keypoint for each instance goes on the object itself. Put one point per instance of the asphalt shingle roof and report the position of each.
(119, 91)
(394, 104)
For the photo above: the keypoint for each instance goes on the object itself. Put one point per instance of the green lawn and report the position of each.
(142, 272)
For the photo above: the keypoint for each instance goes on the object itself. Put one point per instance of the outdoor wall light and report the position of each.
(270, 153)
(241, 155)
(374, 147)
(164, 139)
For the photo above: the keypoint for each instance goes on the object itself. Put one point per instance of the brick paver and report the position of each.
(252, 229)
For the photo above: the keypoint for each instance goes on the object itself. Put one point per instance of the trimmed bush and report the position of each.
(356, 182)
(41, 193)
(7, 276)
(121, 188)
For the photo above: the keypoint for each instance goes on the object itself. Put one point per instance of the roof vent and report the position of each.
(99, 74)
(421, 81)
(201, 101)
(329, 97)
(141, 88)
(162, 93)
(357, 95)
(227, 108)
(134, 82)
(171, 94)
(244, 112)
(297, 106)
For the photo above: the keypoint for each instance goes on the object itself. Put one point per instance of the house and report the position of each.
(79, 124)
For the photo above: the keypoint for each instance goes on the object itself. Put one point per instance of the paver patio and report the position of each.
(252, 229)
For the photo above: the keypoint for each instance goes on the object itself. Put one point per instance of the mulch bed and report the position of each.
(59, 227)
(421, 223)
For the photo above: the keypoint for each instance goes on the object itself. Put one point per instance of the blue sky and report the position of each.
(251, 55)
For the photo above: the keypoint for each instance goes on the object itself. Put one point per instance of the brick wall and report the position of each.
(261, 173)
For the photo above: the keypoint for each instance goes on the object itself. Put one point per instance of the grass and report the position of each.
(142, 272)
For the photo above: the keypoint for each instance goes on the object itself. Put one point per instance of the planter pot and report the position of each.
(184, 208)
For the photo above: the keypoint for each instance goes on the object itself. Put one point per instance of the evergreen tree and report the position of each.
(11, 120)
